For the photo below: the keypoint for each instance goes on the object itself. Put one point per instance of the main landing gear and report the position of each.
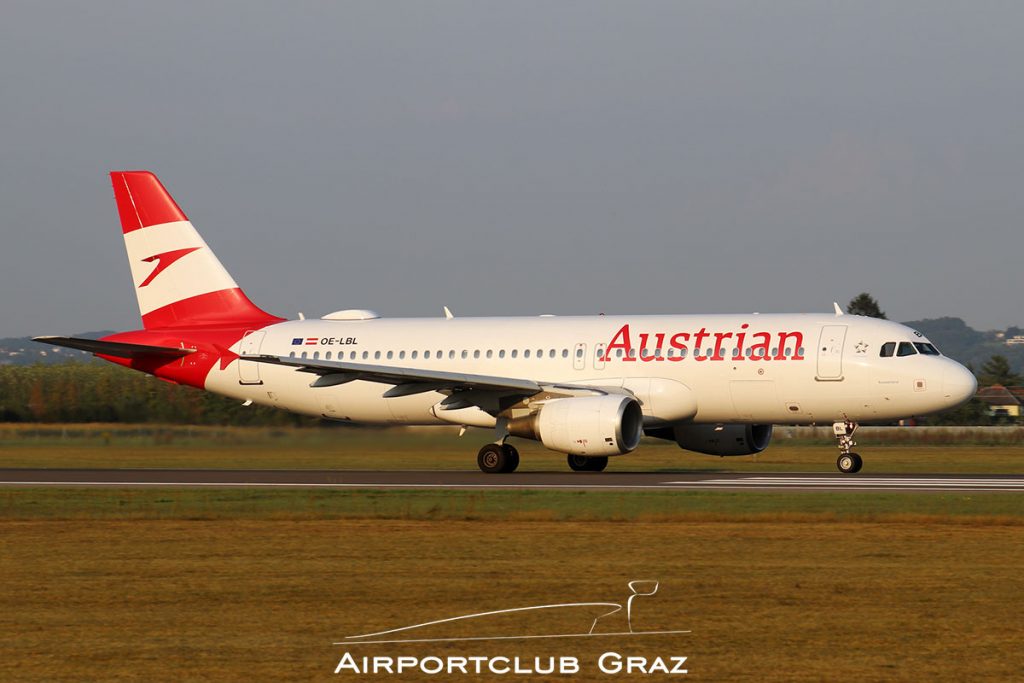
(581, 463)
(847, 462)
(497, 458)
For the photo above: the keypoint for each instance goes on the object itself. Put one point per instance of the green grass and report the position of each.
(118, 446)
(665, 506)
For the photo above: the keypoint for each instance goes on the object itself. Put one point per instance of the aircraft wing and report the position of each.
(406, 381)
(115, 349)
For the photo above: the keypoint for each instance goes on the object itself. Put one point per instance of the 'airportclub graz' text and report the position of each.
(763, 346)
(610, 663)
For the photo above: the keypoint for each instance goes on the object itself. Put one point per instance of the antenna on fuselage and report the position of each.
(839, 311)
(448, 313)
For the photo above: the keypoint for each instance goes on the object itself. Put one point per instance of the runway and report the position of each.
(464, 479)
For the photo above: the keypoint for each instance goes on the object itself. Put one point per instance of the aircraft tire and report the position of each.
(849, 463)
(492, 459)
(581, 463)
(577, 463)
(511, 458)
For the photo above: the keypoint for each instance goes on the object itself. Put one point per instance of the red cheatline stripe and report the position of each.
(226, 307)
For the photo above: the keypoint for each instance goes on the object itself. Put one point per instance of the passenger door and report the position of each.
(249, 371)
(830, 353)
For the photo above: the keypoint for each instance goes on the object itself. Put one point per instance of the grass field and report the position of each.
(884, 450)
(250, 599)
(233, 585)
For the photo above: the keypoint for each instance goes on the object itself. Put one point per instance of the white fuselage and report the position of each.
(788, 369)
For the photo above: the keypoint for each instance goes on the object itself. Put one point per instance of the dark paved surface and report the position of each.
(526, 480)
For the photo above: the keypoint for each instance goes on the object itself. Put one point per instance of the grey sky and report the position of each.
(522, 157)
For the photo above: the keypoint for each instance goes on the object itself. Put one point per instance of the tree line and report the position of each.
(99, 392)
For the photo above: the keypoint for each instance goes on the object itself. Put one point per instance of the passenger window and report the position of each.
(906, 349)
(391, 354)
(476, 354)
(414, 354)
(515, 352)
(465, 354)
(352, 355)
(401, 355)
(888, 348)
(426, 355)
(540, 353)
(565, 353)
(501, 353)
(490, 354)
(579, 353)
(366, 354)
(526, 353)
(327, 356)
(376, 355)
(291, 355)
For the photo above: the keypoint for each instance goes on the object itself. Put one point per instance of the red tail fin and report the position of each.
(179, 282)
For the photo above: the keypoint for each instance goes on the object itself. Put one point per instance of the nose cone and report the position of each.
(958, 384)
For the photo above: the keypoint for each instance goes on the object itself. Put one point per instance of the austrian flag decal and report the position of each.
(308, 341)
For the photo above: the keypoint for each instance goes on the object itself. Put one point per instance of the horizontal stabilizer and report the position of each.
(115, 349)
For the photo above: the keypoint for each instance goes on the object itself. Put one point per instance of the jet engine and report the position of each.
(731, 439)
(584, 425)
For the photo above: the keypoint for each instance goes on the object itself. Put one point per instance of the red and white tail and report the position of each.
(178, 280)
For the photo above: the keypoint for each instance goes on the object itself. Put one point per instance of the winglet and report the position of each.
(448, 313)
(839, 311)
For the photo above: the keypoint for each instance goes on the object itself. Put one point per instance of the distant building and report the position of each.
(1003, 402)
(1014, 341)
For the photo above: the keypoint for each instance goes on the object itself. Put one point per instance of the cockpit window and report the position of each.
(927, 349)
(906, 349)
(887, 349)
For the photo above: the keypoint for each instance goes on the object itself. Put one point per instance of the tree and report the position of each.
(865, 304)
(996, 370)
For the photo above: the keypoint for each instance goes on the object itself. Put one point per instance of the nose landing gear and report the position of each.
(847, 462)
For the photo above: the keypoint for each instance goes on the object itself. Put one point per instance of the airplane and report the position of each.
(586, 386)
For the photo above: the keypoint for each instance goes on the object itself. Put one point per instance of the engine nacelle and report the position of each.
(734, 439)
(585, 425)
